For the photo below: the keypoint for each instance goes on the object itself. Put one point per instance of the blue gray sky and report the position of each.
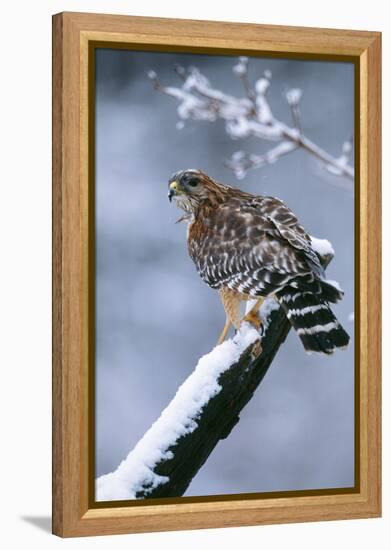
(155, 317)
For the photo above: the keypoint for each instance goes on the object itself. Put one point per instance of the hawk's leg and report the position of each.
(224, 332)
(254, 319)
(231, 302)
(252, 316)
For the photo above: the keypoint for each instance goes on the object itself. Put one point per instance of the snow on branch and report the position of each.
(136, 473)
(249, 116)
(204, 410)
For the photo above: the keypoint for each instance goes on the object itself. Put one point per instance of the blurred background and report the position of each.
(154, 315)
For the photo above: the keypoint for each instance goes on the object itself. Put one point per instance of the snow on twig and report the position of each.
(241, 162)
(249, 116)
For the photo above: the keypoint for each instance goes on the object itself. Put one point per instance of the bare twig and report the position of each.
(180, 71)
(293, 97)
(241, 70)
(250, 116)
(241, 162)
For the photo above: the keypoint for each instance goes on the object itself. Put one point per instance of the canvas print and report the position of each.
(224, 275)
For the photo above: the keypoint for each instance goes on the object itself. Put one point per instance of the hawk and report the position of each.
(251, 246)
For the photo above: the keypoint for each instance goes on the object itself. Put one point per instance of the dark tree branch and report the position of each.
(221, 413)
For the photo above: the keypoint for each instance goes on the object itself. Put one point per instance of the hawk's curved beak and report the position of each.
(173, 190)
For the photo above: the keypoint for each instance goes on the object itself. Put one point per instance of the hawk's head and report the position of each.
(191, 188)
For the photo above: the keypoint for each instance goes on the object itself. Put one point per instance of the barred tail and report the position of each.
(312, 318)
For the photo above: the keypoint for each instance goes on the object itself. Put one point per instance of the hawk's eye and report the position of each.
(193, 183)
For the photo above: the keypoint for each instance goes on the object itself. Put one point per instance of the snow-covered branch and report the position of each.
(138, 475)
(204, 410)
(249, 116)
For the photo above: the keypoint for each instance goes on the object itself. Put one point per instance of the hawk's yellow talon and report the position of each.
(253, 318)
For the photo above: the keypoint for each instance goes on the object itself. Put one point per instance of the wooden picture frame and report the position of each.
(74, 36)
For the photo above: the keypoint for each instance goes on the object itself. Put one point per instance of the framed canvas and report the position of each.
(268, 140)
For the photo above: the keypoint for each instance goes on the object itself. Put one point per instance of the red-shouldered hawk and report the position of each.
(249, 247)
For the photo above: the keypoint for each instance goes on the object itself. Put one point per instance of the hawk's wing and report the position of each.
(255, 246)
(288, 228)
